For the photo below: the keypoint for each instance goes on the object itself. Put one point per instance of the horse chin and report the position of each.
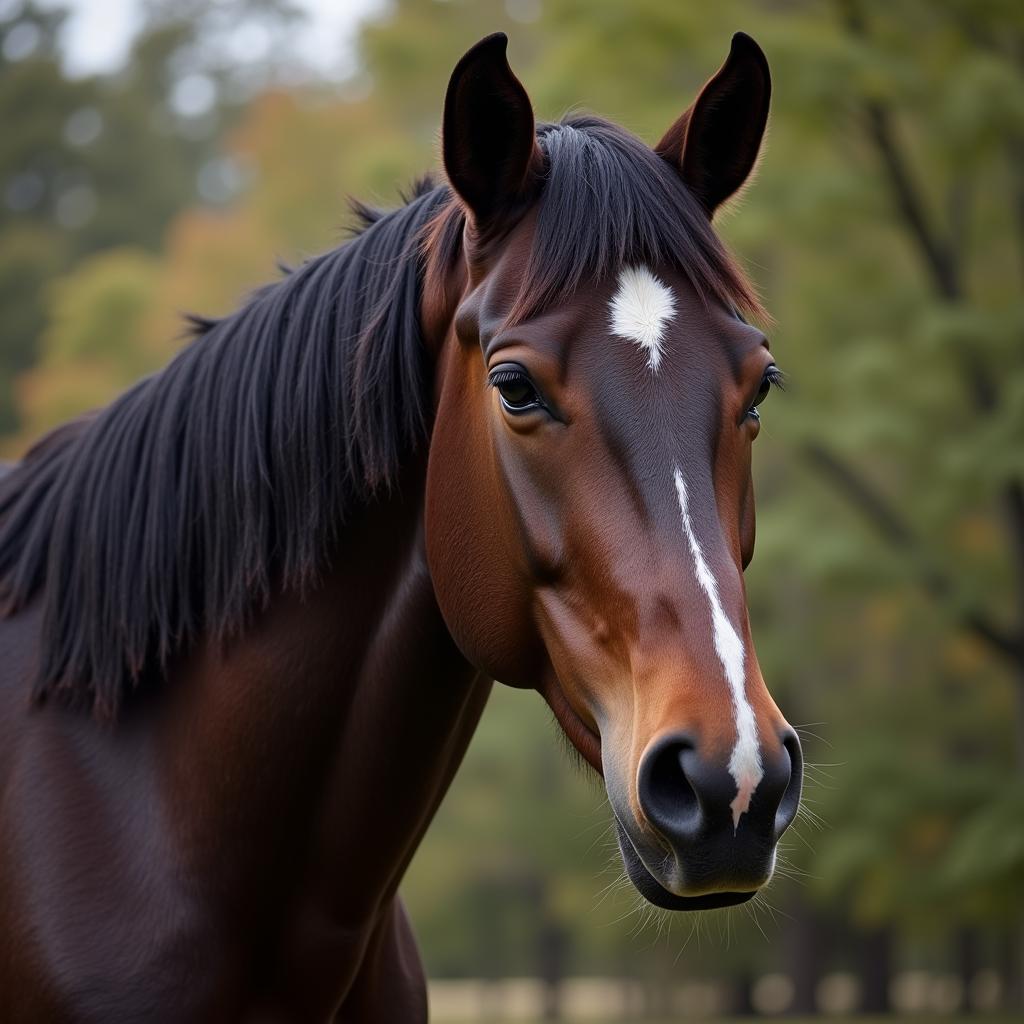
(654, 892)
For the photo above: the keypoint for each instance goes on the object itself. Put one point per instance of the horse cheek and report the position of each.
(481, 590)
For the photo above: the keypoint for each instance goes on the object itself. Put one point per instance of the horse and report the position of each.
(252, 610)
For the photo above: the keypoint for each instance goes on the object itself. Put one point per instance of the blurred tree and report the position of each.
(31, 255)
(91, 347)
(35, 102)
(902, 124)
(108, 160)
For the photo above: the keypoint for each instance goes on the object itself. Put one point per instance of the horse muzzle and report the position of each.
(699, 841)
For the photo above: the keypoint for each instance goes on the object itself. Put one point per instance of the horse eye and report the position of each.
(516, 390)
(762, 391)
(772, 378)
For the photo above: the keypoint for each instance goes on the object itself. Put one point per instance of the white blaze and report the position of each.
(641, 307)
(745, 762)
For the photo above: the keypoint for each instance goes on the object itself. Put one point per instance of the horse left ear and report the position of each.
(715, 143)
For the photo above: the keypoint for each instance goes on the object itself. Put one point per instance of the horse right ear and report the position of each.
(490, 150)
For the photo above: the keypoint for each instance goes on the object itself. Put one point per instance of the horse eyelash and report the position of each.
(777, 378)
(504, 377)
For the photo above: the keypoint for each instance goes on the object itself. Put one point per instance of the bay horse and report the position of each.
(252, 608)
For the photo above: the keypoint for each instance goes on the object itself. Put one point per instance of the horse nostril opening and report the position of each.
(666, 795)
(790, 802)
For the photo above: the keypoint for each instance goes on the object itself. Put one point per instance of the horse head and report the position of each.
(590, 509)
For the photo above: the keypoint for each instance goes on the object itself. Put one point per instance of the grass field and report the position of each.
(917, 1018)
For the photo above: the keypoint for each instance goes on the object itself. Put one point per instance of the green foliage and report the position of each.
(91, 348)
(30, 256)
(986, 861)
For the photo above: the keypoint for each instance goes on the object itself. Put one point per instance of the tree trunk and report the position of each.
(1012, 968)
(552, 946)
(876, 970)
(1019, 693)
(742, 994)
(806, 954)
(965, 944)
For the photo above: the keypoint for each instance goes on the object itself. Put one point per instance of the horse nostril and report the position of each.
(790, 802)
(686, 798)
(666, 794)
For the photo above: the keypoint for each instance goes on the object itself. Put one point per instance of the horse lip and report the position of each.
(654, 892)
(582, 737)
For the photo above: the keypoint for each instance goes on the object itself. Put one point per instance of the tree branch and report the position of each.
(1015, 157)
(958, 205)
(897, 533)
(937, 255)
(1013, 501)
(940, 259)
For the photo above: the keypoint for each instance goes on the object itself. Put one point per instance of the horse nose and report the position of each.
(689, 799)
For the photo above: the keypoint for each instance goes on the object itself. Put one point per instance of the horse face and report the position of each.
(590, 510)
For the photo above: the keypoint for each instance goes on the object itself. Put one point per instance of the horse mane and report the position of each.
(179, 510)
(180, 507)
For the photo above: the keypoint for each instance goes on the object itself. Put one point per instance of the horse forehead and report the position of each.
(642, 316)
(647, 332)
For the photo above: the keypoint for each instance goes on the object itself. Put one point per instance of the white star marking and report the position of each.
(640, 310)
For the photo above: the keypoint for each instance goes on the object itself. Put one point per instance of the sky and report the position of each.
(98, 32)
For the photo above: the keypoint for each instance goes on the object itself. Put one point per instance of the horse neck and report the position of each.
(334, 728)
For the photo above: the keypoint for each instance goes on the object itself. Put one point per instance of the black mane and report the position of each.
(179, 509)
